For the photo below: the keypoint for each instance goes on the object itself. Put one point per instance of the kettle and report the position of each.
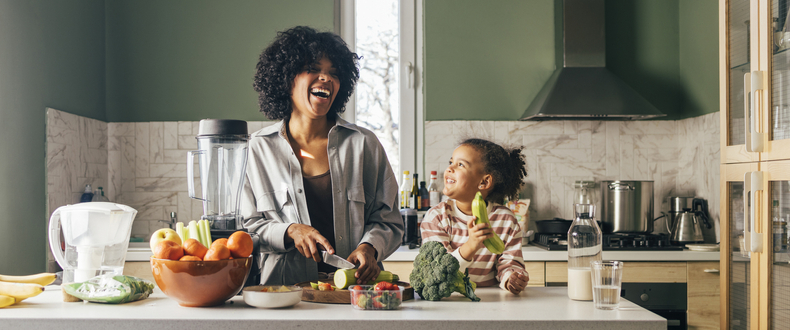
(686, 229)
(96, 238)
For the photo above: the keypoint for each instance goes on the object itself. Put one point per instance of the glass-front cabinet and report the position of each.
(754, 46)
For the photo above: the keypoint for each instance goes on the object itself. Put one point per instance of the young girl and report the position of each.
(480, 165)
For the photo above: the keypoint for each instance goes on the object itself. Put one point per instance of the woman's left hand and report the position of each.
(365, 257)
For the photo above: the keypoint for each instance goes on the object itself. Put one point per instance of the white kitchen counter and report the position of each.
(536, 308)
(141, 252)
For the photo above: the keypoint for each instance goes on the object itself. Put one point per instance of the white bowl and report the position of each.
(253, 296)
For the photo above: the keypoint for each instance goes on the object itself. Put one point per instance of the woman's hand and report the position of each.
(365, 257)
(516, 282)
(477, 234)
(307, 241)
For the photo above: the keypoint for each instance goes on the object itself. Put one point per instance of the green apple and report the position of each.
(164, 234)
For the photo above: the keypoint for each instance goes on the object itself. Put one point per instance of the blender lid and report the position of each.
(104, 207)
(212, 127)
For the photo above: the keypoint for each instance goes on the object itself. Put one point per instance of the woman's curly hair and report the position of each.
(506, 166)
(288, 55)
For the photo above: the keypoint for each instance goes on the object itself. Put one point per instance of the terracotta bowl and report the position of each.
(200, 283)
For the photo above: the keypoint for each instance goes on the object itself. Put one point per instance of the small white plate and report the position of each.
(253, 296)
(703, 247)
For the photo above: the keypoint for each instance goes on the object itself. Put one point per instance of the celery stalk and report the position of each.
(180, 231)
(207, 232)
(193, 230)
(201, 237)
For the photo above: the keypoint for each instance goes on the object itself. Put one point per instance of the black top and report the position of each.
(318, 192)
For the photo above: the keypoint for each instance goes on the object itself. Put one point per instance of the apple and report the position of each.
(164, 234)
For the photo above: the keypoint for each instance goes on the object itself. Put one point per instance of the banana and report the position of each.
(493, 244)
(6, 301)
(20, 291)
(41, 279)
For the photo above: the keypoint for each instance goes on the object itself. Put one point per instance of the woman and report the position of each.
(314, 181)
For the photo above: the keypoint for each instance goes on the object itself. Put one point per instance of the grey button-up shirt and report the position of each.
(364, 198)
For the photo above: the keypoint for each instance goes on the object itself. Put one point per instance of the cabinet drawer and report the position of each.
(633, 272)
(537, 276)
(400, 268)
(141, 269)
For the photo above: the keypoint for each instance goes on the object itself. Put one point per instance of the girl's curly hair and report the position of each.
(288, 55)
(506, 166)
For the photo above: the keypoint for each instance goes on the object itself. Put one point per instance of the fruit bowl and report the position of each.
(255, 296)
(200, 283)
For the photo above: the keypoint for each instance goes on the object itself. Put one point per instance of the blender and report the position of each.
(96, 237)
(222, 162)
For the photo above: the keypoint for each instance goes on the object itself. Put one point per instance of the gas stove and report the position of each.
(622, 242)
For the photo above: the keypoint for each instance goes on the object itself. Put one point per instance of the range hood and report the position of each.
(582, 88)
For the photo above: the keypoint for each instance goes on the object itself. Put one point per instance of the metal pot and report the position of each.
(627, 206)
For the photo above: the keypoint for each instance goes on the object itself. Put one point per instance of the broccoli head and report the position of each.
(436, 275)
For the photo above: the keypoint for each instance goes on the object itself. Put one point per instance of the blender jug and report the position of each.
(96, 237)
(222, 160)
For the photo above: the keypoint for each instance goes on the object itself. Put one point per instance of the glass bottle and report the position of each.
(405, 190)
(584, 245)
(433, 191)
(415, 200)
(424, 197)
(98, 196)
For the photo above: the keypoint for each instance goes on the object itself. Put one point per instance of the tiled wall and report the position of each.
(142, 164)
(681, 157)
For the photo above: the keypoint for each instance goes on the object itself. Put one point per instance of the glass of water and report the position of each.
(607, 278)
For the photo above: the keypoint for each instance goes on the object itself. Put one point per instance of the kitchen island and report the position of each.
(536, 308)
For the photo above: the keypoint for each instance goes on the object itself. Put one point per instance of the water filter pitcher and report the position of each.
(96, 237)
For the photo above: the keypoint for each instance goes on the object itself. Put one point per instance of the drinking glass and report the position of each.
(607, 277)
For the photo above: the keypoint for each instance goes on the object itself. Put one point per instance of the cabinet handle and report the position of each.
(753, 183)
(753, 86)
(711, 270)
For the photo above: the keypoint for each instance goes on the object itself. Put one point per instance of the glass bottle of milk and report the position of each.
(584, 246)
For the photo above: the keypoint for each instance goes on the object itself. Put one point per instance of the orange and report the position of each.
(219, 241)
(240, 244)
(168, 250)
(217, 252)
(190, 258)
(193, 248)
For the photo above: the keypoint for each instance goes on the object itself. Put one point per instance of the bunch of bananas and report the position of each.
(14, 289)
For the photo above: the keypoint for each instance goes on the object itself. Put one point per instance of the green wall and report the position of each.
(699, 53)
(488, 60)
(194, 59)
(51, 55)
(485, 59)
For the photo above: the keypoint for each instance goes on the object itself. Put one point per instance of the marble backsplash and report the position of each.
(681, 158)
(142, 164)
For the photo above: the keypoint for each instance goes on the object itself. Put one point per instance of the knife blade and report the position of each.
(334, 260)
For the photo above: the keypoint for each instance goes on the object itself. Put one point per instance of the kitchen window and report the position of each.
(388, 98)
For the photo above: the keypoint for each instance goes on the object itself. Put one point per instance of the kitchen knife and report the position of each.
(334, 260)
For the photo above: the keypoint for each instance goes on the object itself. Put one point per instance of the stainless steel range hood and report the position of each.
(582, 88)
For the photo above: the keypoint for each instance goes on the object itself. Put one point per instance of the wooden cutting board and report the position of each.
(341, 296)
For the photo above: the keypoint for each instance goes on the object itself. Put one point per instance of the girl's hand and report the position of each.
(516, 282)
(365, 256)
(307, 239)
(478, 234)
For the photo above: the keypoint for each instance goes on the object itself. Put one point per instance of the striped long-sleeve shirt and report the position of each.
(446, 224)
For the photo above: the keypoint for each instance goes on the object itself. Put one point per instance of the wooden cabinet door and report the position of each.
(774, 115)
(774, 213)
(704, 288)
(739, 268)
(738, 58)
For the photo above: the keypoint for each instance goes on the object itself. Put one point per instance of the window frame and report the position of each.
(411, 127)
